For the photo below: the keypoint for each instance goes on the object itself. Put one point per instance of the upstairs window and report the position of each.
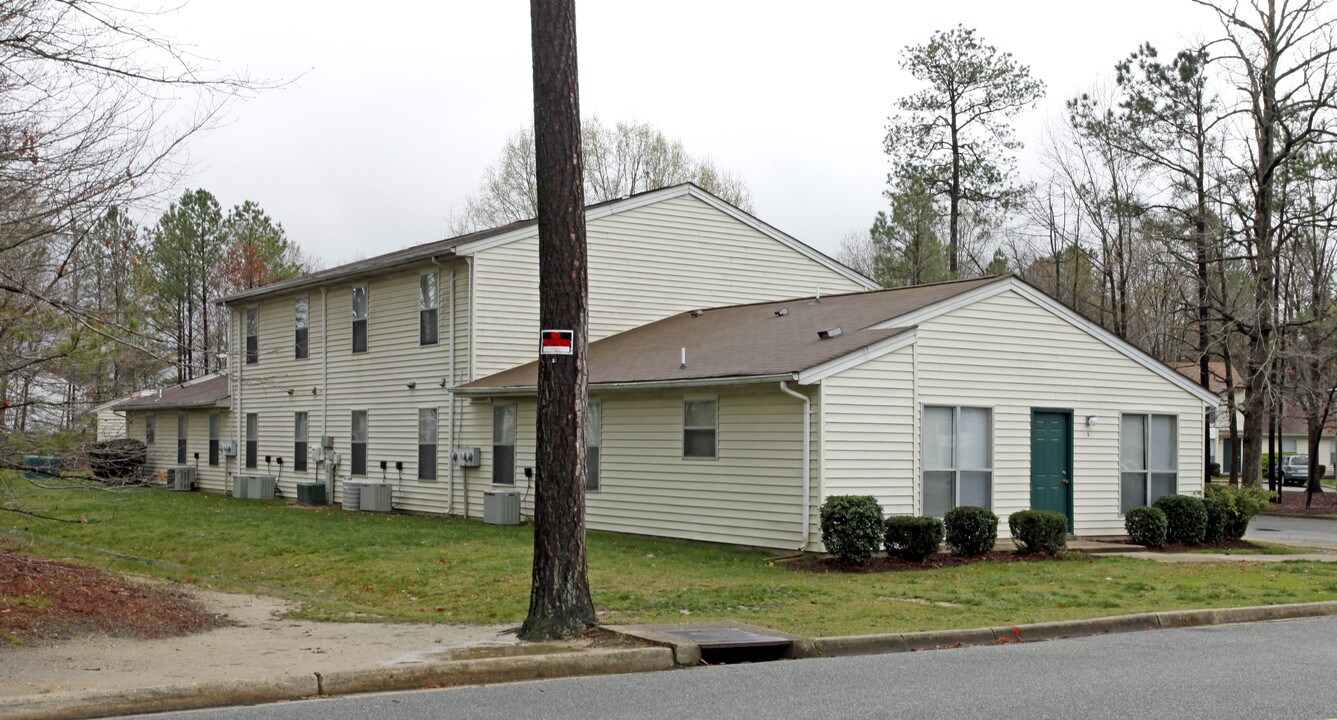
(215, 427)
(699, 424)
(1148, 459)
(958, 458)
(427, 443)
(182, 433)
(503, 444)
(593, 442)
(302, 323)
(299, 441)
(359, 443)
(252, 336)
(429, 302)
(360, 319)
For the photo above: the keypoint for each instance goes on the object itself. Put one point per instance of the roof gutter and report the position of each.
(524, 390)
(313, 281)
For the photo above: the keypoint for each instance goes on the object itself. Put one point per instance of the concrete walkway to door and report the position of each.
(1134, 551)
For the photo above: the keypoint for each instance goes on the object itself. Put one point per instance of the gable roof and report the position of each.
(754, 341)
(207, 391)
(482, 240)
(751, 341)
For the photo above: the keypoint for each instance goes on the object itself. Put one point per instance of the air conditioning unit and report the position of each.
(376, 497)
(181, 478)
(466, 457)
(228, 448)
(260, 487)
(310, 493)
(352, 495)
(501, 507)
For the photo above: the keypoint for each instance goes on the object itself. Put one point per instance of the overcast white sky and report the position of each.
(401, 105)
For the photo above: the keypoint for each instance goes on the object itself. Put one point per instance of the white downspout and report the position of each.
(325, 387)
(807, 461)
(450, 397)
(473, 298)
(240, 443)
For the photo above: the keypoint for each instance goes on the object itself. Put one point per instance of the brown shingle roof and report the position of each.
(209, 391)
(743, 340)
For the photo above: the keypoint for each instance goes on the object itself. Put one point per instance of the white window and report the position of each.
(1148, 459)
(150, 429)
(700, 422)
(252, 336)
(301, 327)
(429, 302)
(360, 319)
(182, 433)
(359, 443)
(503, 444)
(427, 443)
(594, 441)
(300, 428)
(957, 450)
(252, 439)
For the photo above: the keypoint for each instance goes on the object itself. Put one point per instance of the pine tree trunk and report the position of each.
(559, 600)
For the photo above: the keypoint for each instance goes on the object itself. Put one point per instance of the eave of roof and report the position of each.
(207, 392)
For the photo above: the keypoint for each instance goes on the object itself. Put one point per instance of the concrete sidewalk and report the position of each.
(1136, 551)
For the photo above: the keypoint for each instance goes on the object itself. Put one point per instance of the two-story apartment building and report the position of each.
(738, 379)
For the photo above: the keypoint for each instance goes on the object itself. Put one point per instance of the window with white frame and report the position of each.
(700, 425)
(426, 443)
(182, 434)
(594, 441)
(359, 443)
(957, 447)
(300, 430)
(252, 336)
(252, 439)
(360, 319)
(503, 444)
(150, 429)
(429, 302)
(1148, 459)
(215, 430)
(301, 328)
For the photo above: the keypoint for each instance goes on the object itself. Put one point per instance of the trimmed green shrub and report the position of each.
(1146, 526)
(119, 458)
(1039, 531)
(913, 539)
(851, 527)
(1214, 469)
(1243, 503)
(970, 530)
(1218, 515)
(1187, 518)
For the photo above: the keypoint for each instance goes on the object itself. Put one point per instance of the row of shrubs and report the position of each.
(853, 530)
(1222, 513)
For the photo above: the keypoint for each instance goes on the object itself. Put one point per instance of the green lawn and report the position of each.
(344, 565)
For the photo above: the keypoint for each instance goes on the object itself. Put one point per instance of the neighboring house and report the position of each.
(109, 423)
(984, 392)
(184, 425)
(369, 353)
(1294, 430)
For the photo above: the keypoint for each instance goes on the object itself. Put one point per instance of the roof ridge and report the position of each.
(759, 303)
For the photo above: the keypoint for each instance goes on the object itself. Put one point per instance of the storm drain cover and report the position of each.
(721, 638)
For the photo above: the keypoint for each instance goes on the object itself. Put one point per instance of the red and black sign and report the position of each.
(556, 342)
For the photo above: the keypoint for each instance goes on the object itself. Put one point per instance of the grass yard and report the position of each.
(344, 566)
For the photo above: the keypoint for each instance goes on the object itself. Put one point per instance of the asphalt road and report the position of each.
(1265, 670)
(1281, 529)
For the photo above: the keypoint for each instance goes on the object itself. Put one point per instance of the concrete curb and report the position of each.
(78, 706)
(937, 639)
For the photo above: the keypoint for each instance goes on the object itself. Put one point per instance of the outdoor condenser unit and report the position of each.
(352, 495)
(181, 478)
(501, 507)
(377, 497)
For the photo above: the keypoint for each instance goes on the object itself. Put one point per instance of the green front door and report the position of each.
(1051, 461)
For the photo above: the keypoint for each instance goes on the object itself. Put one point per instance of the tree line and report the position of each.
(1186, 202)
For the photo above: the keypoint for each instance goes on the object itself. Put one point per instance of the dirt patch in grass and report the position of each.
(1293, 503)
(883, 563)
(47, 600)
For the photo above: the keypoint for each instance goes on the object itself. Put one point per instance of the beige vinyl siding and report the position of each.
(110, 424)
(644, 265)
(750, 494)
(1011, 355)
(162, 454)
(376, 381)
(869, 432)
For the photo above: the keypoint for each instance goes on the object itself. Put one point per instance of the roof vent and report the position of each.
(831, 333)
(698, 313)
(782, 312)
